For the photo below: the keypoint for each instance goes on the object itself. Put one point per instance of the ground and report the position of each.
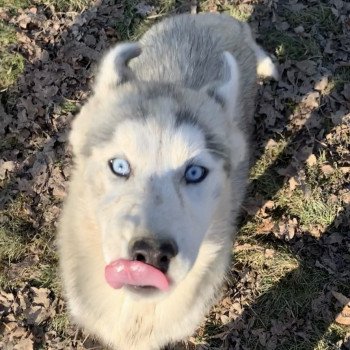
(289, 281)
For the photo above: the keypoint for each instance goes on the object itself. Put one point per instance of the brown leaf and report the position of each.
(327, 169)
(24, 344)
(299, 29)
(311, 100)
(311, 160)
(266, 226)
(343, 317)
(346, 197)
(41, 297)
(36, 315)
(269, 253)
(322, 84)
(6, 167)
(345, 169)
(307, 66)
(343, 300)
(293, 183)
(245, 247)
(270, 144)
(252, 205)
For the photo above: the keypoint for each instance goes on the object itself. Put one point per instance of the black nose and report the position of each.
(152, 251)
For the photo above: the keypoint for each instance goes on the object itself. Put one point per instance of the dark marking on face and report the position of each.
(179, 194)
(96, 137)
(185, 116)
(213, 144)
(218, 149)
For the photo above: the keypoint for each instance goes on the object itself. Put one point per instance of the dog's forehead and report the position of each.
(156, 141)
(164, 121)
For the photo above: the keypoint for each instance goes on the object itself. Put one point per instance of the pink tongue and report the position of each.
(122, 271)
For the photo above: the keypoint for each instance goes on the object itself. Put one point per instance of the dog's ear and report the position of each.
(114, 68)
(225, 93)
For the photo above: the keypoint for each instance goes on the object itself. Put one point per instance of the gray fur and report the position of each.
(179, 49)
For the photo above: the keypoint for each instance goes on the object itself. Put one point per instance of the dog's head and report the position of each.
(156, 161)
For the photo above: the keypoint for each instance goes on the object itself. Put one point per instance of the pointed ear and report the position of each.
(226, 93)
(114, 68)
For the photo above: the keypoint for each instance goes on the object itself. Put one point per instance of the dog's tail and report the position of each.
(265, 67)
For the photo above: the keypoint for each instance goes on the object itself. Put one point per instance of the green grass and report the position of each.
(269, 156)
(11, 63)
(11, 67)
(7, 35)
(66, 5)
(330, 338)
(286, 288)
(288, 46)
(19, 244)
(320, 17)
(264, 179)
(289, 300)
(14, 238)
(295, 291)
(12, 246)
(316, 209)
(14, 232)
(14, 5)
(69, 107)
(240, 11)
(271, 270)
(60, 323)
(341, 77)
(60, 5)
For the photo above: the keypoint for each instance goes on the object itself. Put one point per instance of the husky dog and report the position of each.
(161, 155)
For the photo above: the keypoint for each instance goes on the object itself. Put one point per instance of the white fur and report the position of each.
(265, 66)
(229, 90)
(114, 67)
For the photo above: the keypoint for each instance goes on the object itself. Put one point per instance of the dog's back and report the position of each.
(187, 50)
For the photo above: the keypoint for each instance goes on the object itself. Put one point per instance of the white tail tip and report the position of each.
(267, 69)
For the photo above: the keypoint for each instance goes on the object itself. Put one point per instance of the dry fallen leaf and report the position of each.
(293, 183)
(269, 253)
(24, 344)
(321, 85)
(311, 160)
(343, 317)
(266, 226)
(41, 297)
(327, 169)
(6, 166)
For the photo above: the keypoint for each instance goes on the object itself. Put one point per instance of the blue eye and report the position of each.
(120, 167)
(195, 174)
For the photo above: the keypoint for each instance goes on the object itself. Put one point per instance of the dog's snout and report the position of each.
(152, 251)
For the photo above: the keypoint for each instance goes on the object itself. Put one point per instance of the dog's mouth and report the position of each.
(135, 275)
(144, 291)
